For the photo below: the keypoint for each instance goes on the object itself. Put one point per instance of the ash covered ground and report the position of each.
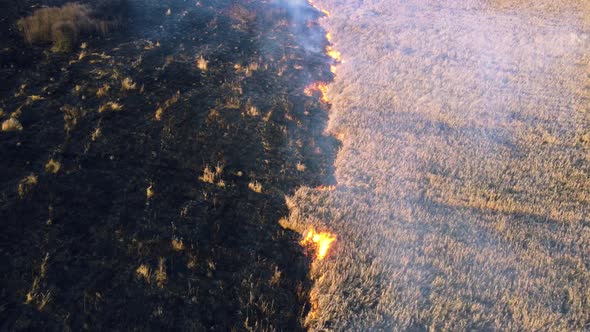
(144, 169)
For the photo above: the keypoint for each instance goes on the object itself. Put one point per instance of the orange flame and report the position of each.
(325, 12)
(332, 53)
(322, 242)
(329, 36)
(333, 69)
(325, 188)
(320, 87)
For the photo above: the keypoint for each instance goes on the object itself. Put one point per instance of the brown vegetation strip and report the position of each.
(462, 200)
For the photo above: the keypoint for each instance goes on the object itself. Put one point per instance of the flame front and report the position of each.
(326, 188)
(325, 12)
(320, 87)
(321, 241)
(332, 53)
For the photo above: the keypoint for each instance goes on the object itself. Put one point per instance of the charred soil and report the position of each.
(143, 185)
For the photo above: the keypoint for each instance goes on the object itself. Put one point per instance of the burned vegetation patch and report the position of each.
(143, 187)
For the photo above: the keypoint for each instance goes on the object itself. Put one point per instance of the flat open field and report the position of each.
(163, 162)
(463, 195)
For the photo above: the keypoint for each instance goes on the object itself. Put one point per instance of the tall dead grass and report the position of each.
(61, 26)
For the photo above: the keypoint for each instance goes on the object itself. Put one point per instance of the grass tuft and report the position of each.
(61, 26)
(11, 124)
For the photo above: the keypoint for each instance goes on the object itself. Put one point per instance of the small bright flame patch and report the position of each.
(321, 241)
(320, 87)
(332, 53)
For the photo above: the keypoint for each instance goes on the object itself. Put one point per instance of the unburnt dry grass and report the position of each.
(462, 200)
(61, 26)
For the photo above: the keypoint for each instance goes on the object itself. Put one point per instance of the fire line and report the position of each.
(320, 240)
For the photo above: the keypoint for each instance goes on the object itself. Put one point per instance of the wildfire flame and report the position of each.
(325, 12)
(320, 87)
(326, 188)
(329, 36)
(332, 53)
(322, 242)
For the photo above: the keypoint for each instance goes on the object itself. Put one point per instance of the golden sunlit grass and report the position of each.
(103, 90)
(208, 175)
(34, 98)
(301, 167)
(255, 186)
(252, 111)
(177, 244)
(82, 55)
(143, 271)
(149, 192)
(192, 262)
(166, 105)
(96, 134)
(161, 275)
(71, 116)
(11, 124)
(36, 295)
(52, 166)
(127, 84)
(276, 278)
(213, 175)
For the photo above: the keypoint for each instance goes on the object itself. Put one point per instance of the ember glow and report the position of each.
(318, 87)
(326, 188)
(320, 240)
(332, 53)
(325, 12)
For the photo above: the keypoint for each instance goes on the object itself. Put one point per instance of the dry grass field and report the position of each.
(143, 169)
(463, 195)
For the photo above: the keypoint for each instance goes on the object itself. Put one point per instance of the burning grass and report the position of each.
(320, 241)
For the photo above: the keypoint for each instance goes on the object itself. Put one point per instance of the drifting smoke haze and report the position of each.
(462, 199)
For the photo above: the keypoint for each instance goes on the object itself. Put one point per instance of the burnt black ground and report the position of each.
(77, 237)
